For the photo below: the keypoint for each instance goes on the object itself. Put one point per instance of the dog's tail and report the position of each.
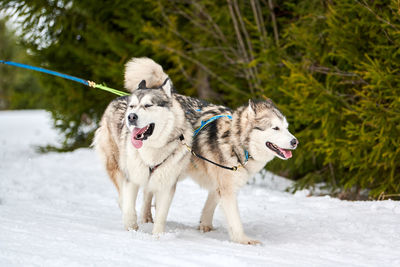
(139, 69)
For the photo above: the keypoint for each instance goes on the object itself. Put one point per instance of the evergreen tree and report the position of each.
(343, 89)
(18, 89)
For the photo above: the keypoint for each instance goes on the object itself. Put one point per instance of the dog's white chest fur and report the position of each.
(136, 169)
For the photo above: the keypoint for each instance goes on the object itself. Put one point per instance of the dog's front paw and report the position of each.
(247, 241)
(205, 228)
(158, 229)
(131, 227)
(130, 223)
(251, 242)
(147, 218)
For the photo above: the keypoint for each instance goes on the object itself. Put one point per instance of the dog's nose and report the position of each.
(132, 118)
(294, 142)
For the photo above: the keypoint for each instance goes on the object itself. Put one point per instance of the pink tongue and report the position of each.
(286, 153)
(137, 143)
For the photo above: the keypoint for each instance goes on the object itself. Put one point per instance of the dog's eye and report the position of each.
(131, 106)
(148, 105)
(276, 128)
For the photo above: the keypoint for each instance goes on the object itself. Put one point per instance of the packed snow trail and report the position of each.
(61, 210)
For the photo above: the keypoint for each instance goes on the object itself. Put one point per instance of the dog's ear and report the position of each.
(142, 85)
(167, 87)
(251, 108)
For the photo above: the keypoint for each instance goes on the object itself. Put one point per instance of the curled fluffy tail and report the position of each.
(139, 69)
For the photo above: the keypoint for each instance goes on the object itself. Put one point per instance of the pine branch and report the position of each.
(366, 6)
(218, 38)
(203, 67)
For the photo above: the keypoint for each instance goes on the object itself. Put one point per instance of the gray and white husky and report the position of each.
(139, 141)
(251, 137)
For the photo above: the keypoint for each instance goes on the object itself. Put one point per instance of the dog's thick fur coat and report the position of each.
(226, 141)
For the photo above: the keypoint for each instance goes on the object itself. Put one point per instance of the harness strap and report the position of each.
(233, 168)
(204, 123)
(152, 169)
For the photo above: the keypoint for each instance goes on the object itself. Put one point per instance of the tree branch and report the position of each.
(365, 5)
(203, 67)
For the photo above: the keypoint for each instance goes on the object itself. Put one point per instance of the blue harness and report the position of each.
(205, 123)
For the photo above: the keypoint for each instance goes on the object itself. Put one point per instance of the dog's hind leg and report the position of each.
(231, 210)
(129, 195)
(108, 152)
(116, 177)
(163, 202)
(114, 173)
(208, 211)
(146, 207)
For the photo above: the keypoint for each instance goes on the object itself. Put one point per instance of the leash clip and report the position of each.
(91, 84)
(182, 139)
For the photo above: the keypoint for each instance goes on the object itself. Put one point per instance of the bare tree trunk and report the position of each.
(274, 24)
(202, 85)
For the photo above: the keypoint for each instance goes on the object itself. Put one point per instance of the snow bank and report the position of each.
(61, 210)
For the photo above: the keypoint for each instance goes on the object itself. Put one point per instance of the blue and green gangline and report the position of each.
(66, 76)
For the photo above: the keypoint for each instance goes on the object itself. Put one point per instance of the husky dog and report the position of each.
(251, 137)
(139, 141)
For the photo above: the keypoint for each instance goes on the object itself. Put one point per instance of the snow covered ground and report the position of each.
(61, 210)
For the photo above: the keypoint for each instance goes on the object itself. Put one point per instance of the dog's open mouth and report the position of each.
(141, 134)
(282, 153)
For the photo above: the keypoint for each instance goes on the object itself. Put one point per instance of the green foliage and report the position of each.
(343, 89)
(331, 66)
(18, 88)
